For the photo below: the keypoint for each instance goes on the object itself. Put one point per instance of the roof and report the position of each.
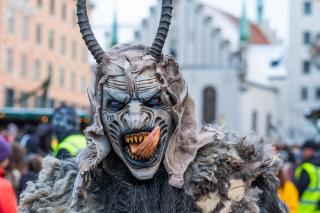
(257, 36)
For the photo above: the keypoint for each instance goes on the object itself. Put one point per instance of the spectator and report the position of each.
(65, 127)
(28, 131)
(39, 142)
(10, 133)
(34, 165)
(8, 202)
(307, 179)
(16, 166)
(288, 193)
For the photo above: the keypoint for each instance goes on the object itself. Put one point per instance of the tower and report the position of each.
(260, 10)
(114, 30)
(244, 25)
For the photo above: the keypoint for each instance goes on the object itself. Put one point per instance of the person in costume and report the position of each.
(144, 152)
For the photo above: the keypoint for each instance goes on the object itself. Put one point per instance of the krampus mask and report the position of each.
(141, 106)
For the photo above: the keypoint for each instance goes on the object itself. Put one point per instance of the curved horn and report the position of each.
(86, 31)
(162, 33)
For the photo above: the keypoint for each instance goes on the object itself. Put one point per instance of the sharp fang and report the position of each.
(140, 138)
(135, 138)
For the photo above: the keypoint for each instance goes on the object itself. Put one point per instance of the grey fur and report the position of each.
(224, 159)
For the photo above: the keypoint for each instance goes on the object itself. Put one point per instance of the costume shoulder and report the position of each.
(232, 174)
(53, 190)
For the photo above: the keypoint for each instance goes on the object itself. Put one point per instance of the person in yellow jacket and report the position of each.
(307, 179)
(288, 192)
(69, 141)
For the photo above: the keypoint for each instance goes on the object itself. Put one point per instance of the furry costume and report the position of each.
(144, 153)
(229, 174)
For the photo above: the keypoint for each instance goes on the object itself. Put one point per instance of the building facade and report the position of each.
(303, 91)
(226, 62)
(43, 61)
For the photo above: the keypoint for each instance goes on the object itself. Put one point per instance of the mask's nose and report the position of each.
(135, 118)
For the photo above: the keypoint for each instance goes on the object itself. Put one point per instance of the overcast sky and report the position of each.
(131, 12)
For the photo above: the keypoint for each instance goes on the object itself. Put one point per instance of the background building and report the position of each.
(41, 50)
(227, 62)
(303, 91)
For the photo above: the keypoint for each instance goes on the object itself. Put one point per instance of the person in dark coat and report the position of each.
(34, 164)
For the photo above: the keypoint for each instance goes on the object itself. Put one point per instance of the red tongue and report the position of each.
(148, 146)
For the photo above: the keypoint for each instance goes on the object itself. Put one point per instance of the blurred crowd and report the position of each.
(300, 176)
(23, 149)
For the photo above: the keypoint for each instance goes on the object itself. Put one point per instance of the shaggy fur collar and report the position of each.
(229, 174)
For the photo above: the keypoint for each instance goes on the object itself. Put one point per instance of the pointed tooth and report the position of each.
(135, 138)
(140, 138)
(131, 139)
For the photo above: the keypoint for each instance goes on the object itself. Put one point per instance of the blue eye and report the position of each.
(115, 104)
(154, 102)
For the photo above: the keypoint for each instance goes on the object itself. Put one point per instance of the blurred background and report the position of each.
(251, 65)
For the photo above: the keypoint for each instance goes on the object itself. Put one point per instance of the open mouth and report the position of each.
(142, 146)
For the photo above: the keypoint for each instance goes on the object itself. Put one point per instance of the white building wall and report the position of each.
(198, 41)
(263, 101)
(191, 35)
(297, 127)
(226, 84)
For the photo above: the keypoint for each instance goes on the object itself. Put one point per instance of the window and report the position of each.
(62, 75)
(306, 67)
(73, 82)
(25, 27)
(268, 124)
(306, 38)
(84, 55)
(39, 3)
(9, 97)
(52, 7)
(51, 40)
(137, 35)
(254, 121)
(50, 73)
(23, 65)
(173, 52)
(50, 103)
(38, 101)
(74, 18)
(38, 34)
(10, 20)
(24, 99)
(50, 69)
(304, 93)
(74, 50)
(83, 84)
(63, 44)
(307, 8)
(64, 11)
(209, 105)
(9, 62)
(318, 93)
(37, 69)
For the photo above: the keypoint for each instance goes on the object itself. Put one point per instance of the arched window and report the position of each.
(209, 105)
